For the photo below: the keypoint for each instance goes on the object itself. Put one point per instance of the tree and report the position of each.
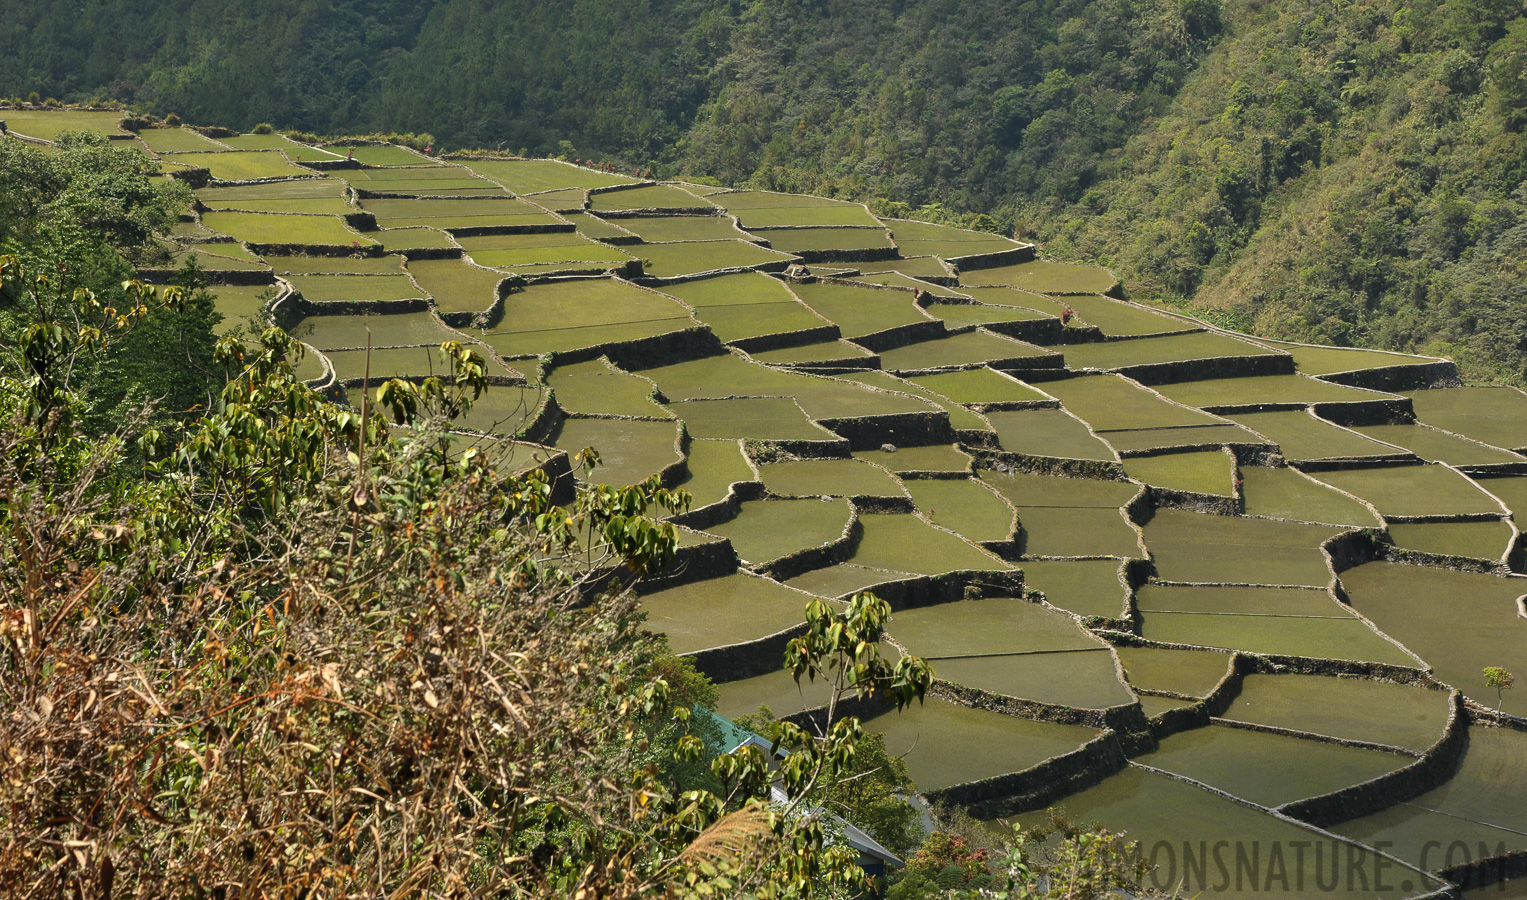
(1500, 679)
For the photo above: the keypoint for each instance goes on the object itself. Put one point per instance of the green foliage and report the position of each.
(1058, 860)
(1343, 175)
(1500, 679)
(943, 863)
(1334, 176)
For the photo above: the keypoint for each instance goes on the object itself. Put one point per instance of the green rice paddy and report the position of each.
(912, 267)
(1155, 706)
(1169, 815)
(1484, 803)
(1238, 601)
(655, 196)
(987, 627)
(1080, 679)
(909, 544)
(739, 200)
(760, 418)
(958, 350)
(822, 477)
(691, 258)
(1439, 446)
(456, 285)
(959, 417)
(1495, 415)
(1269, 769)
(934, 458)
(47, 125)
(979, 385)
(958, 315)
(845, 580)
(1193, 673)
(860, 310)
(1320, 638)
(658, 229)
(844, 215)
(1138, 439)
(736, 322)
(965, 506)
(1286, 493)
(596, 228)
(1330, 360)
(1414, 490)
(768, 529)
(565, 315)
(1196, 547)
(1087, 587)
(1353, 709)
(1061, 532)
(341, 332)
(598, 388)
(243, 165)
(404, 239)
(382, 155)
(214, 262)
(1512, 490)
(805, 354)
(1048, 277)
(242, 307)
(1304, 436)
(177, 140)
(779, 691)
(1216, 392)
(956, 249)
(1171, 348)
(798, 240)
(722, 611)
(629, 450)
(1477, 540)
(822, 398)
(946, 744)
(312, 206)
(402, 362)
(1459, 622)
(354, 288)
(1112, 403)
(1047, 432)
(1205, 472)
(265, 228)
(527, 176)
(714, 466)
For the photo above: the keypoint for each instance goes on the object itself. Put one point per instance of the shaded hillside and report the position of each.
(1339, 174)
(1348, 177)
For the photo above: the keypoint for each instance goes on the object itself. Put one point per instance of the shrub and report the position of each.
(172, 120)
(264, 128)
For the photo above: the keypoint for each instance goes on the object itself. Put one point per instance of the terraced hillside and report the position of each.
(1189, 583)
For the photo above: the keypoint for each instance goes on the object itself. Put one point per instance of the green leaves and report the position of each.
(845, 646)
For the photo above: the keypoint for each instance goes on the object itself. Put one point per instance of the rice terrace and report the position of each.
(1191, 584)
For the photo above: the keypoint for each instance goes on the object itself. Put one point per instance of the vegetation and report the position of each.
(1343, 175)
(1499, 679)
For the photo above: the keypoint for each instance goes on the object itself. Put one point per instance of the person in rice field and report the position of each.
(351, 154)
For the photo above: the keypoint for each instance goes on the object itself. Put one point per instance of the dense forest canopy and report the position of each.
(1342, 173)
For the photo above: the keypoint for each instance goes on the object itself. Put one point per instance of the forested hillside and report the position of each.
(1340, 173)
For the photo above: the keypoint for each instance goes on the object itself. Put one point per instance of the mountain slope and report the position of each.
(1344, 175)
(1341, 173)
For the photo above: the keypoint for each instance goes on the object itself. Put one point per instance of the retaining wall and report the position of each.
(1432, 770)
